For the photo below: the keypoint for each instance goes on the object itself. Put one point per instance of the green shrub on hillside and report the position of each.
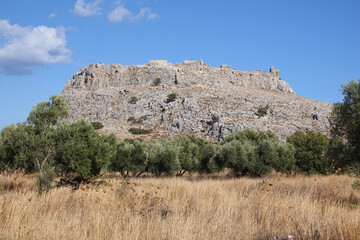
(262, 111)
(138, 131)
(157, 82)
(215, 119)
(133, 100)
(171, 97)
(97, 125)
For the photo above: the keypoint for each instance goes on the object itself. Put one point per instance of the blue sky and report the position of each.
(315, 44)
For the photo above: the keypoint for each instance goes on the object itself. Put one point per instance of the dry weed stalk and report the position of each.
(316, 207)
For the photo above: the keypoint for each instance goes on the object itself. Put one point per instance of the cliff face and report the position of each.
(211, 101)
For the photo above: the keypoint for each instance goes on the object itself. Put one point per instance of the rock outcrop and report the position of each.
(211, 101)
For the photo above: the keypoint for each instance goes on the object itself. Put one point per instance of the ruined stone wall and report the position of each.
(183, 74)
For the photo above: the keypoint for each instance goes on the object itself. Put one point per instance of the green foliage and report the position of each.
(188, 153)
(30, 145)
(48, 113)
(310, 151)
(133, 100)
(163, 157)
(215, 119)
(207, 151)
(171, 97)
(157, 82)
(73, 148)
(15, 147)
(97, 125)
(338, 154)
(254, 153)
(2, 155)
(45, 144)
(262, 111)
(285, 160)
(137, 131)
(130, 158)
(346, 118)
(234, 155)
(253, 136)
(83, 151)
(45, 179)
(133, 120)
(277, 155)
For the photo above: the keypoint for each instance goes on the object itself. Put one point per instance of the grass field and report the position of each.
(275, 207)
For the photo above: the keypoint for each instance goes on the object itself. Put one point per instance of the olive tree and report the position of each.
(81, 150)
(130, 158)
(253, 153)
(346, 118)
(162, 157)
(31, 145)
(188, 154)
(2, 155)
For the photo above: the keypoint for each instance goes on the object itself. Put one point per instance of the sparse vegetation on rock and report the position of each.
(133, 120)
(157, 82)
(97, 125)
(171, 97)
(262, 111)
(133, 100)
(137, 131)
(215, 119)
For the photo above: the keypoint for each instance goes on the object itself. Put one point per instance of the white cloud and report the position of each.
(120, 14)
(152, 16)
(142, 13)
(52, 15)
(83, 9)
(24, 48)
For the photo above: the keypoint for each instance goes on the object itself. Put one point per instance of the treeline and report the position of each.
(53, 147)
(46, 145)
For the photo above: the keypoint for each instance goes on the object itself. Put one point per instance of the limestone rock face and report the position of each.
(211, 101)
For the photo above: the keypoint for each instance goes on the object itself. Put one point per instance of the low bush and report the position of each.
(157, 82)
(97, 125)
(215, 119)
(133, 100)
(262, 111)
(171, 97)
(137, 131)
(133, 120)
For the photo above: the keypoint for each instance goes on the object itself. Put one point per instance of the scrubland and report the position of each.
(274, 207)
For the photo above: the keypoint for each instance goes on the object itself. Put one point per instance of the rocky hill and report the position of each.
(210, 101)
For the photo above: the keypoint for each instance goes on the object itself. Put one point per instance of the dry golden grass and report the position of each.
(316, 207)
